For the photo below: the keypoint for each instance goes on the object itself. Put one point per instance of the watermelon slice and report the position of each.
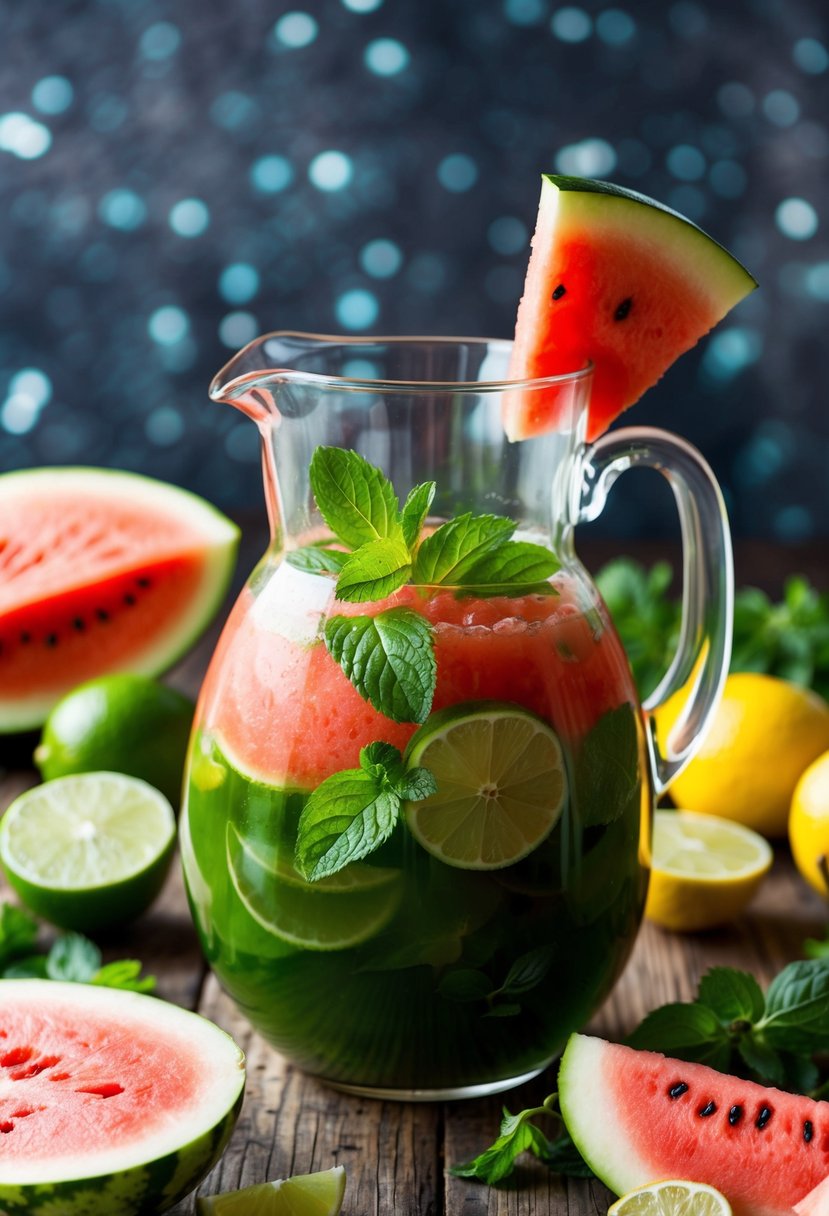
(618, 280)
(638, 1117)
(110, 1102)
(100, 571)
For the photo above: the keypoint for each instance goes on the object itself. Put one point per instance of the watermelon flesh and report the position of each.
(109, 1101)
(617, 280)
(100, 571)
(639, 1117)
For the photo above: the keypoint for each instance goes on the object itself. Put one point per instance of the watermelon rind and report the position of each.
(165, 1163)
(602, 1142)
(219, 539)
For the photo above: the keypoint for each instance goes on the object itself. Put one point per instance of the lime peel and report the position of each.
(317, 1194)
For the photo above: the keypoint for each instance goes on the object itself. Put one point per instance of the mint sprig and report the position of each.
(390, 660)
(355, 499)
(353, 812)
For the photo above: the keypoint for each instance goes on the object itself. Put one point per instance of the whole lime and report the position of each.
(119, 723)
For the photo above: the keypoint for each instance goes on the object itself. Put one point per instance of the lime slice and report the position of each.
(704, 870)
(319, 1194)
(88, 850)
(672, 1198)
(334, 913)
(501, 784)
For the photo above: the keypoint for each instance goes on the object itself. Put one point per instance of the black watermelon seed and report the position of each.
(102, 614)
(623, 309)
(129, 598)
(25, 637)
(735, 1115)
(51, 639)
(676, 1091)
(763, 1117)
(808, 1131)
(143, 581)
(559, 291)
(79, 624)
(707, 1110)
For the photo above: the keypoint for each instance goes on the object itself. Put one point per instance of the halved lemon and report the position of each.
(705, 870)
(672, 1198)
(501, 784)
(319, 1194)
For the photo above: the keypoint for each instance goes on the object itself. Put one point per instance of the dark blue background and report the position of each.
(176, 177)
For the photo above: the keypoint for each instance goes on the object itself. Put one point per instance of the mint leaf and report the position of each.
(33, 967)
(355, 499)
(348, 816)
(528, 970)
(74, 958)
(126, 974)
(376, 569)
(797, 1008)
(516, 563)
(564, 1158)
(314, 559)
(453, 549)
(390, 660)
(417, 784)
(689, 1031)
(762, 1059)
(734, 996)
(607, 769)
(415, 509)
(351, 813)
(517, 1135)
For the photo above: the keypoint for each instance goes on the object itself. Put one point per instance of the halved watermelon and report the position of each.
(638, 1117)
(110, 1102)
(618, 280)
(100, 571)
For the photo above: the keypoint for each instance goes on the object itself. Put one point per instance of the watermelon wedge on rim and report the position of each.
(620, 281)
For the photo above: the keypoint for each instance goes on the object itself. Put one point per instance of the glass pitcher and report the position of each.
(452, 953)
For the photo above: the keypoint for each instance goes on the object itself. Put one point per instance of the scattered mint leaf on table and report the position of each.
(390, 660)
(796, 1016)
(353, 812)
(734, 996)
(74, 958)
(126, 974)
(688, 1031)
(517, 1135)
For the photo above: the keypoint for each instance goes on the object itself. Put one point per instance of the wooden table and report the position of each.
(396, 1155)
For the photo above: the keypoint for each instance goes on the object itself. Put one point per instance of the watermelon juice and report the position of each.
(401, 974)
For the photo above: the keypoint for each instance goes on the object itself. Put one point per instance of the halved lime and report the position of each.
(501, 784)
(672, 1198)
(319, 1194)
(334, 913)
(88, 850)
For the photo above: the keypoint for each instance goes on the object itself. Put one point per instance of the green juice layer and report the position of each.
(402, 972)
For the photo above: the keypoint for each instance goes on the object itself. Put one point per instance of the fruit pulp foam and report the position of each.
(403, 974)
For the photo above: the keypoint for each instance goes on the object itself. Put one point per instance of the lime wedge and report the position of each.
(672, 1198)
(334, 913)
(319, 1194)
(501, 784)
(88, 850)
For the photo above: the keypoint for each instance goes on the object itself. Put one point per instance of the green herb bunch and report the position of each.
(376, 546)
(789, 639)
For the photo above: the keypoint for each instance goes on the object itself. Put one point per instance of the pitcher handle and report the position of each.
(704, 648)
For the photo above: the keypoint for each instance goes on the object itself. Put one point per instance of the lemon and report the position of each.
(319, 1194)
(501, 784)
(809, 824)
(672, 1198)
(122, 724)
(342, 910)
(88, 851)
(705, 870)
(764, 734)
